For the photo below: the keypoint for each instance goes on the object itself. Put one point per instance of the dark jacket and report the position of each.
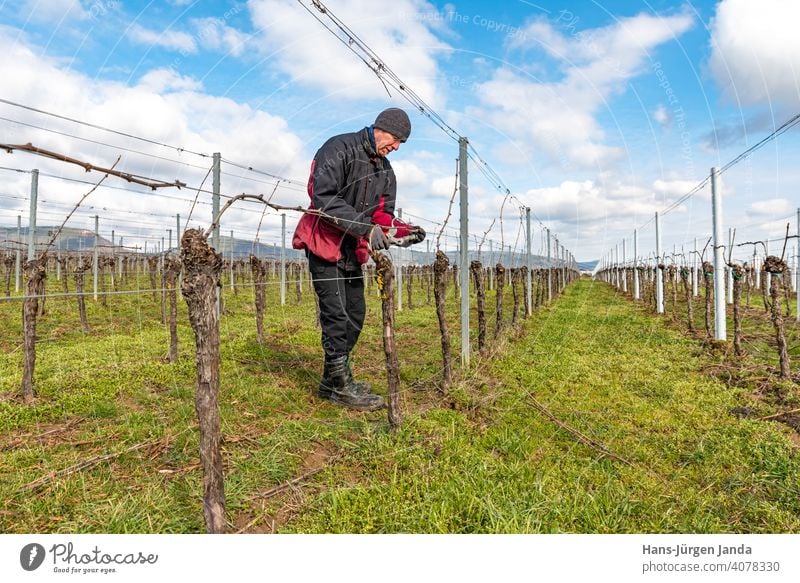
(347, 181)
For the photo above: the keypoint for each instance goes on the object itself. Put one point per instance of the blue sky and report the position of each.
(596, 115)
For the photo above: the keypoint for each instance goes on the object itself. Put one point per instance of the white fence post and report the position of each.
(96, 262)
(636, 293)
(720, 324)
(32, 215)
(283, 259)
(695, 273)
(464, 267)
(659, 279)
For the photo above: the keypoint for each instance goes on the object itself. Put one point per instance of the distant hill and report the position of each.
(72, 239)
(83, 240)
(69, 239)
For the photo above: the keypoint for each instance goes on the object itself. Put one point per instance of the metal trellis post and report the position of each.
(464, 267)
(283, 259)
(636, 292)
(720, 332)
(549, 269)
(215, 198)
(18, 269)
(95, 258)
(32, 216)
(659, 279)
(528, 253)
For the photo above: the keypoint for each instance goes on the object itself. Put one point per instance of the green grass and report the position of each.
(482, 459)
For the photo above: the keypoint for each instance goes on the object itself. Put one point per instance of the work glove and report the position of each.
(410, 237)
(377, 239)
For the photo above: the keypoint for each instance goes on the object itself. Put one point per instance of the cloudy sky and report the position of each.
(595, 115)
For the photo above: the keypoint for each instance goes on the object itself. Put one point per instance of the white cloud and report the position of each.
(214, 34)
(408, 174)
(163, 106)
(755, 56)
(772, 207)
(608, 205)
(310, 55)
(443, 187)
(168, 39)
(675, 188)
(559, 117)
(163, 80)
(663, 117)
(52, 11)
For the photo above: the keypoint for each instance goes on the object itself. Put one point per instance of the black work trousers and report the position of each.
(340, 289)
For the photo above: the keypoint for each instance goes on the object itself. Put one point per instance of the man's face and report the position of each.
(385, 142)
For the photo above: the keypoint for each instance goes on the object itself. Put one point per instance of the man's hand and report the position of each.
(415, 235)
(377, 239)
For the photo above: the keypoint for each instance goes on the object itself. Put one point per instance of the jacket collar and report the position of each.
(369, 147)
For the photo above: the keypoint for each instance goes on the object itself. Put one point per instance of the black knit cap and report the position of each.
(395, 121)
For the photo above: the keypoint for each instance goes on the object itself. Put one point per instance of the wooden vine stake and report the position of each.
(439, 290)
(777, 267)
(80, 269)
(384, 278)
(428, 273)
(500, 278)
(35, 273)
(525, 292)
(62, 261)
(480, 292)
(670, 273)
(708, 277)
(202, 266)
(515, 277)
(172, 269)
(298, 289)
(748, 281)
(259, 270)
(152, 264)
(764, 295)
(8, 262)
(687, 294)
(738, 275)
(409, 286)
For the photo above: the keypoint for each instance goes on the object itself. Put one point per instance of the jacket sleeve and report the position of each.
(391, 225)
(328, 180)
(390, 190)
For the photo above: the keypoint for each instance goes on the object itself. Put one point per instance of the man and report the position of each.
(354, 187)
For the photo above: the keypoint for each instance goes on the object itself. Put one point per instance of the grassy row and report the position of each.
(482, 459)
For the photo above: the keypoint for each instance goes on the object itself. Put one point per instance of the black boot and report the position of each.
(345, 392)
(326, 383)
(361, 387)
